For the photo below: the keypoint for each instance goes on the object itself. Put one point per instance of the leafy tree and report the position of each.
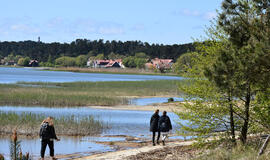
(65, 61)
(184, 62)
(100, 56)
(249, 44)
(140, 62)
(141, 55)
(206, 105)
(81, 60)
(129, 62)
(24, 61)
(225, 74)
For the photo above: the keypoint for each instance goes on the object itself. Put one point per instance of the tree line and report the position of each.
(44, 52)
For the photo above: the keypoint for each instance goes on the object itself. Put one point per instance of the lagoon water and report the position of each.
(13, 75)
(121, 122)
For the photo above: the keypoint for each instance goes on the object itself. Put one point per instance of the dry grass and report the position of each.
(112, 70)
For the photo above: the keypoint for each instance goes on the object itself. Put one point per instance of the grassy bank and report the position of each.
(221, 152)
(29, 124)
(82, 93)
(112, 71)
(249, 152)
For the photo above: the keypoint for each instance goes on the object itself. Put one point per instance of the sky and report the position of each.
(152, 21)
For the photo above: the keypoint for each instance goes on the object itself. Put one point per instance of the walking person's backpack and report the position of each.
(44, 130)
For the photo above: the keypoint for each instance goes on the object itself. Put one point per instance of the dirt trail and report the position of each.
(124, 154)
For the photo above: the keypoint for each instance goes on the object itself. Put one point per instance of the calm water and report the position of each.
(152, 100)
(122, 122)
(13, 75)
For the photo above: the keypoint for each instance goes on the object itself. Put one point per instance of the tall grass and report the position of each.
(82, 93)
(29, 124)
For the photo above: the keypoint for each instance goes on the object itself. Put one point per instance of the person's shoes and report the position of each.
(154, 144)
(157, 143)
(53, 158)
(163, 142)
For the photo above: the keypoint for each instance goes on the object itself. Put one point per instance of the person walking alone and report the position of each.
(47, 135)
(154, 126)
(165, 126)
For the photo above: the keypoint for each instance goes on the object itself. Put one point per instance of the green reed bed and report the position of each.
(83, 93)
(29, 124)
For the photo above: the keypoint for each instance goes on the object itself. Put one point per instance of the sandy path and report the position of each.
(170, 107)
(123, 154)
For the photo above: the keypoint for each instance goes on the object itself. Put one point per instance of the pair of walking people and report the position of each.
(160, 124)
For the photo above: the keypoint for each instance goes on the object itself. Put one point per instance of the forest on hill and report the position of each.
(42, 51)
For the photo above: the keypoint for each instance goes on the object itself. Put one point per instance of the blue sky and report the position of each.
(153, 21)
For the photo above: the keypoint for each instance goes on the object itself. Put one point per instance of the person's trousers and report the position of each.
(154, 135)
(44, 144)
(164, 135)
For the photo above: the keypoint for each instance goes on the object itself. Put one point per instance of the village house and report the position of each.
(159, 64)
(33, 63)
(117, 63)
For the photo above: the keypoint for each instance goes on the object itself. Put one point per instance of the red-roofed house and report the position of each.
(162, 63)
(117, 63)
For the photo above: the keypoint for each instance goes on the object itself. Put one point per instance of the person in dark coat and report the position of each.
(165, 126)
(154, 126)
(47, 135)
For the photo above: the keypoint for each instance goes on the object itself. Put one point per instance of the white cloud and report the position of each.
(23, 29)
(197, 14)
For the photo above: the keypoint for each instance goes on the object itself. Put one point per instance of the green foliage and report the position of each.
(129, 62)
(140, 62)
(65, 61)
(42, 51)
(100, 56)
(114, 56)
(184, 62)
(262, 110)
(134, 62)
(81, 61)
(141, 55)
(24, 61)
(225, 74)
(46, 64)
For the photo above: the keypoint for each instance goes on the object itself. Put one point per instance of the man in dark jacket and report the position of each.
(154, 126)
(165, 126)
